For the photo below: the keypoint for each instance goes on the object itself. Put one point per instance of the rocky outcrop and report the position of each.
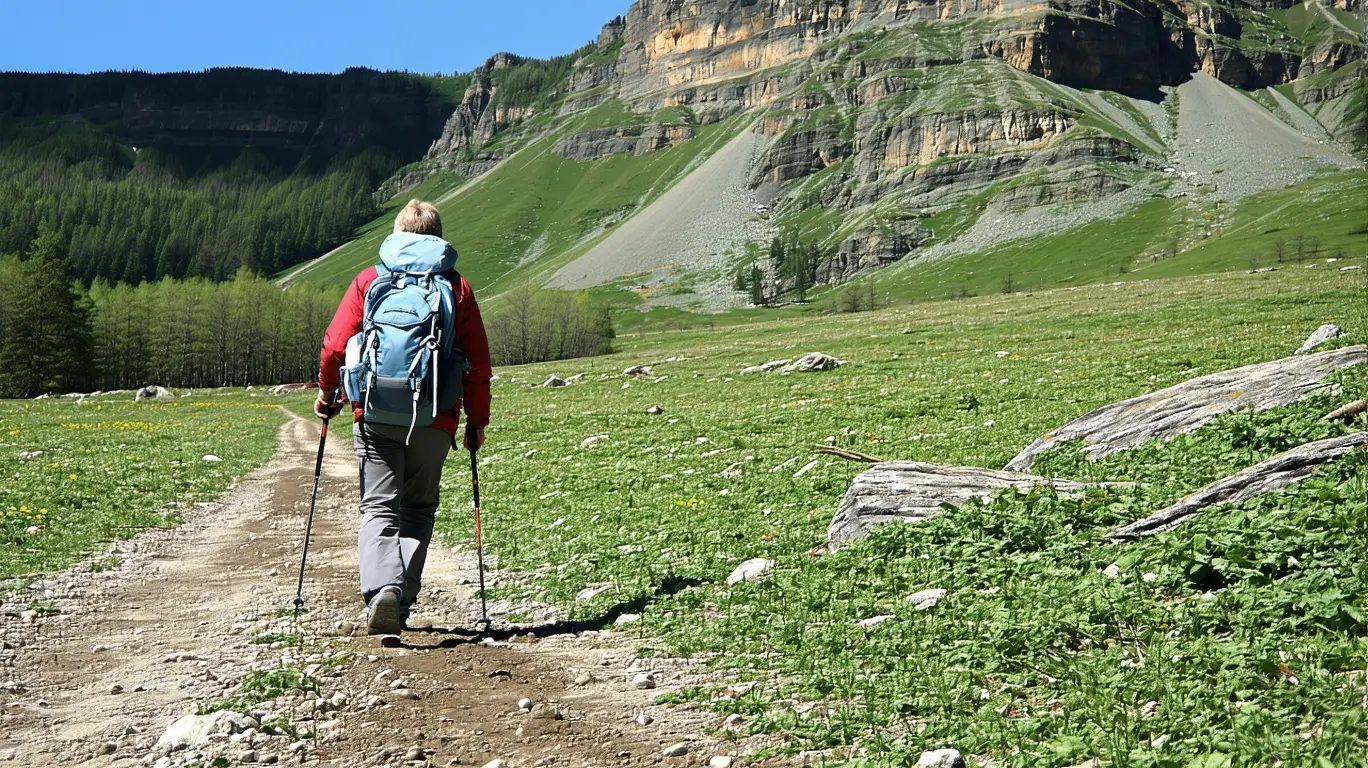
(479, 116)
(612, 31)
(1132, 48)
(1066, 186)
(912, 492)
(873, 248)
(461, 128)
(1275, 474)
(924, 139)
(802, 151)
(1185, 407)
(604, 142)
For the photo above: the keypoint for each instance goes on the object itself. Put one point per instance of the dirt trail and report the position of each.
(172, 628)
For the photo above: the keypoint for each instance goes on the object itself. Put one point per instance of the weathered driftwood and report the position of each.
(910, 491)
(1352, 409)
(1185, 407)
(1274, 474)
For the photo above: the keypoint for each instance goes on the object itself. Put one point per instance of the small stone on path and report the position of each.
(643, 681)
(676, 750)
(720, 761)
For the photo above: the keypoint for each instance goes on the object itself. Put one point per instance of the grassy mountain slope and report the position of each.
(927, 157)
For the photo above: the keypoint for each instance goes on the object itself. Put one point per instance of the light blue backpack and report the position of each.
(404, 368)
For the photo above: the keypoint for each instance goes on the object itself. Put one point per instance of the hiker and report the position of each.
(408, 350)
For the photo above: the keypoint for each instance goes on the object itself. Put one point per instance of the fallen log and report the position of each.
(1271, 475)
(1185, 407)
(911, 491)
(1352, 409)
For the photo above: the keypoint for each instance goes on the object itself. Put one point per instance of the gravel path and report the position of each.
(1236, 146)
(172, 628)
(693, 225)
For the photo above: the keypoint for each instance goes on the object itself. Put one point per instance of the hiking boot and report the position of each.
(383, 615)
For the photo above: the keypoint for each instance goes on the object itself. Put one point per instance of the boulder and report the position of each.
(1274, 474)
(1185, 407)
(813, 362)
(153, 392)
(286, 389)
(638, 370)
(554, 382)
(911, 491)
(193, 730)
(1323, 334)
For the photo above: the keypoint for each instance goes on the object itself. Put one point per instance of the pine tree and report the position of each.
(757, 286)
(46, 340)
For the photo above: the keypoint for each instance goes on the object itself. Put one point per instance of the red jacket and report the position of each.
(470, 338)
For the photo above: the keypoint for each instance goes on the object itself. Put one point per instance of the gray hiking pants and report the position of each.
(399, 493)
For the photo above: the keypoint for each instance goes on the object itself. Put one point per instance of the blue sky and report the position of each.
(299, 35)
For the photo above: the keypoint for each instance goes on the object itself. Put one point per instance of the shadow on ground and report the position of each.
(455, 636)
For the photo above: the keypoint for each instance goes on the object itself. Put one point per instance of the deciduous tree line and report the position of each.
(539, 325)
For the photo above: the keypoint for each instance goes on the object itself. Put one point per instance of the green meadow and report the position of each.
(1236, 639)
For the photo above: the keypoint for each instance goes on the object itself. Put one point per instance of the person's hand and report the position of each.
(327, 405)
(477, 435)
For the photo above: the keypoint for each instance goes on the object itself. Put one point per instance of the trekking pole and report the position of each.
(471, 439)
(313, 501)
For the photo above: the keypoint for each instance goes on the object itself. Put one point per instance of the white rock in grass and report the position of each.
(676, 750)
(813, 362)
(1112, 571)
(756, 569)
(1323, 334)
(655, 410)
(627, 618)
(772, 365)
(153, 392)
(637, 370)
(589, 593)
(941, 758)
(554, 382)
(874, 621)
(210, 458)
(589, 442)
(925, 599)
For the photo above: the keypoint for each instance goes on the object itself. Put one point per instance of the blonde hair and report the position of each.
(420, 218)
